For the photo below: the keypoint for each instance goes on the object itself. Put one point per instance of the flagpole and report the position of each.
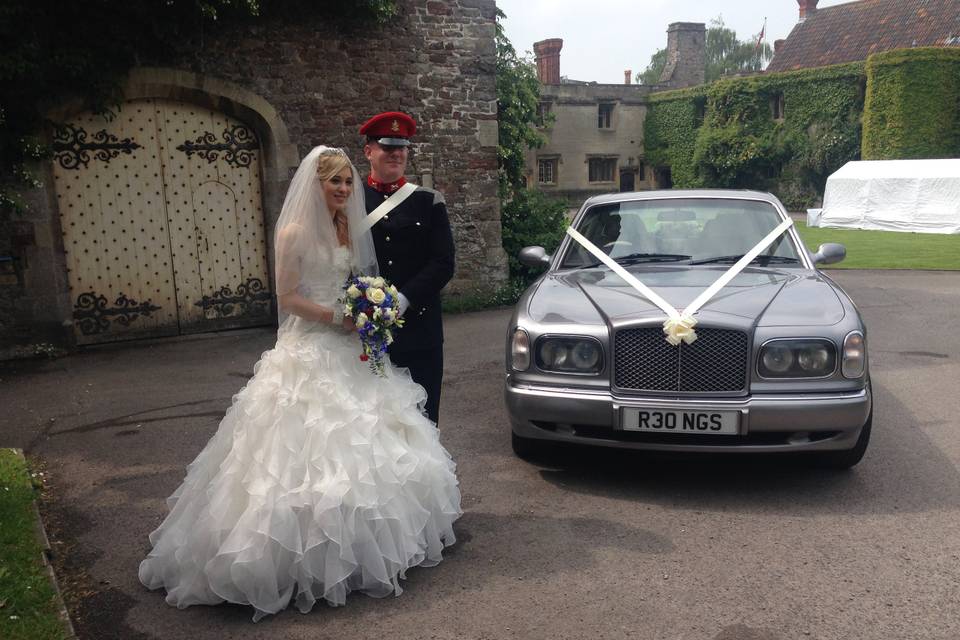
(757, 49)
(763, 33)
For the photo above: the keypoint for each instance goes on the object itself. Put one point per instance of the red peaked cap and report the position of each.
(392, 128)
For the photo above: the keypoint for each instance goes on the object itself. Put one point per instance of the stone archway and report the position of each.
(179, 201)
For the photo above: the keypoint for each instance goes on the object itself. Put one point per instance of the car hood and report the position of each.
(765, 296)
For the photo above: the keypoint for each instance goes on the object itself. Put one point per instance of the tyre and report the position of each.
(525, 448)
(847, 459)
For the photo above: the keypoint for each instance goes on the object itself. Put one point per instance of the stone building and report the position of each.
(159, 221)
(595, 131)
(595, 140)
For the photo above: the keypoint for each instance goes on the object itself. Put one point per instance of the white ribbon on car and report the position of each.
(387, 206)
(679, 325)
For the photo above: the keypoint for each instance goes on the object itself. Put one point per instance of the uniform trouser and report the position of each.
(426, 369)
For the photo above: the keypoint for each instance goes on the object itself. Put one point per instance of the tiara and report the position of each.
(333, 151)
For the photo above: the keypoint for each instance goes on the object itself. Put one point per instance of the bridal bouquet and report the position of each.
(374, 306)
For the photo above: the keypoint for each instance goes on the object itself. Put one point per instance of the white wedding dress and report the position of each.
(323, 478)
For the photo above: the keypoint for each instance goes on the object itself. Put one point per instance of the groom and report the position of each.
(414, 247)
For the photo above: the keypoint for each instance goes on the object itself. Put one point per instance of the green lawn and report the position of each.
(28, 609)
(887, 249)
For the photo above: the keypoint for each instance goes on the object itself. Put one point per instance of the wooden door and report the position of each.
(110, 194)
(162, 222)
(211, 170)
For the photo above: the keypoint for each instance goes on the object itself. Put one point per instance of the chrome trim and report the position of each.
(727, 403)
(559, 392)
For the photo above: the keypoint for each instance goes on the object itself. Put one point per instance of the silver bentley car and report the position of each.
(778, 362)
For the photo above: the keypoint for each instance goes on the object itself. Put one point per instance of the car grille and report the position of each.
(715, 362)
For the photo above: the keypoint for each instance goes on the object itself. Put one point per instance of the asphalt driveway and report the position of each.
(590, 544)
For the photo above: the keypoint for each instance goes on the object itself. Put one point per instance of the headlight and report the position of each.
(569, 355)
(854, 355)
(520, 350)
(777, 358)
(797, 359)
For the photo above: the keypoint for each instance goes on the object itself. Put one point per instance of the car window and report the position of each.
(695, 228)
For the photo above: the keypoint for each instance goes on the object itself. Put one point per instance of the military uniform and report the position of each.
(415, 252)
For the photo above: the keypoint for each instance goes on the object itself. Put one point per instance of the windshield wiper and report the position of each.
(638, 258)
(764, 260)
(635, 258)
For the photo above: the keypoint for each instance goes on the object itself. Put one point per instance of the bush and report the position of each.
(531, 219)
(483, 299)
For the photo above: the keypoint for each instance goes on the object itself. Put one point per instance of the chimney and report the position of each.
(777, 44)
(547, 54)
(627, 75)
(686, 55)
(807, 8)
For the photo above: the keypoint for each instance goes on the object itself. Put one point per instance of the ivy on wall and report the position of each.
(913, 104)
(783, 133)
(670, 132)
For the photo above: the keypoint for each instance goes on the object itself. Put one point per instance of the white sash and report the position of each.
(679, 325)
(387, 206)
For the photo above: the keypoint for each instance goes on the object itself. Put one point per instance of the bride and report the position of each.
(322, 478)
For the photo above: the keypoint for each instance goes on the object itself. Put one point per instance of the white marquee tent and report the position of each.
(894, 195)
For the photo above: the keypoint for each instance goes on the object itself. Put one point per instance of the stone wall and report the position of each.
(302, 84)
(436, 61)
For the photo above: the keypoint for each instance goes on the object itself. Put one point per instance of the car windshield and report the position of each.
(687, 230)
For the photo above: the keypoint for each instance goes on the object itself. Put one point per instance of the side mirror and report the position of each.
(534, 257)
(829, 253)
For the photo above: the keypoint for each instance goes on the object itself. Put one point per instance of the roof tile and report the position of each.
(852, 31)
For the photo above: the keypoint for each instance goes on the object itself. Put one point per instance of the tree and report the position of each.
(651, 75)
(725, 55)
(518, 96)
(528, 217)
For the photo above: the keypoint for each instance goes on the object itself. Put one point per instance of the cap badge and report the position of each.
(395, 126)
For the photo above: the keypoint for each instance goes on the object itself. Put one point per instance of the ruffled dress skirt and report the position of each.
(322, 479)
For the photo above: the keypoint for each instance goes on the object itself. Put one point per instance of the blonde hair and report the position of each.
(331, 162)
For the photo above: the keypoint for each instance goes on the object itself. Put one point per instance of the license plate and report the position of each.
(672, 421)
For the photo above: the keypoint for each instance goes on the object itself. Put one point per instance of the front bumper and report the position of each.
(768, 422)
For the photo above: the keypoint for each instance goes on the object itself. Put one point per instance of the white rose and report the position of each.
(353, 292)
(377, 282)
(376, 295)
(362, 319)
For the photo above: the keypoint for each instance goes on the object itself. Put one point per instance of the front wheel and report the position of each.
(850, 457)
(524, 448)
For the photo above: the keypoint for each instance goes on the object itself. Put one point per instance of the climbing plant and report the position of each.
(781, 132)
(912, 104)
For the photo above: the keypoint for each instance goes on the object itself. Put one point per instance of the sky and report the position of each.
(602, 38)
